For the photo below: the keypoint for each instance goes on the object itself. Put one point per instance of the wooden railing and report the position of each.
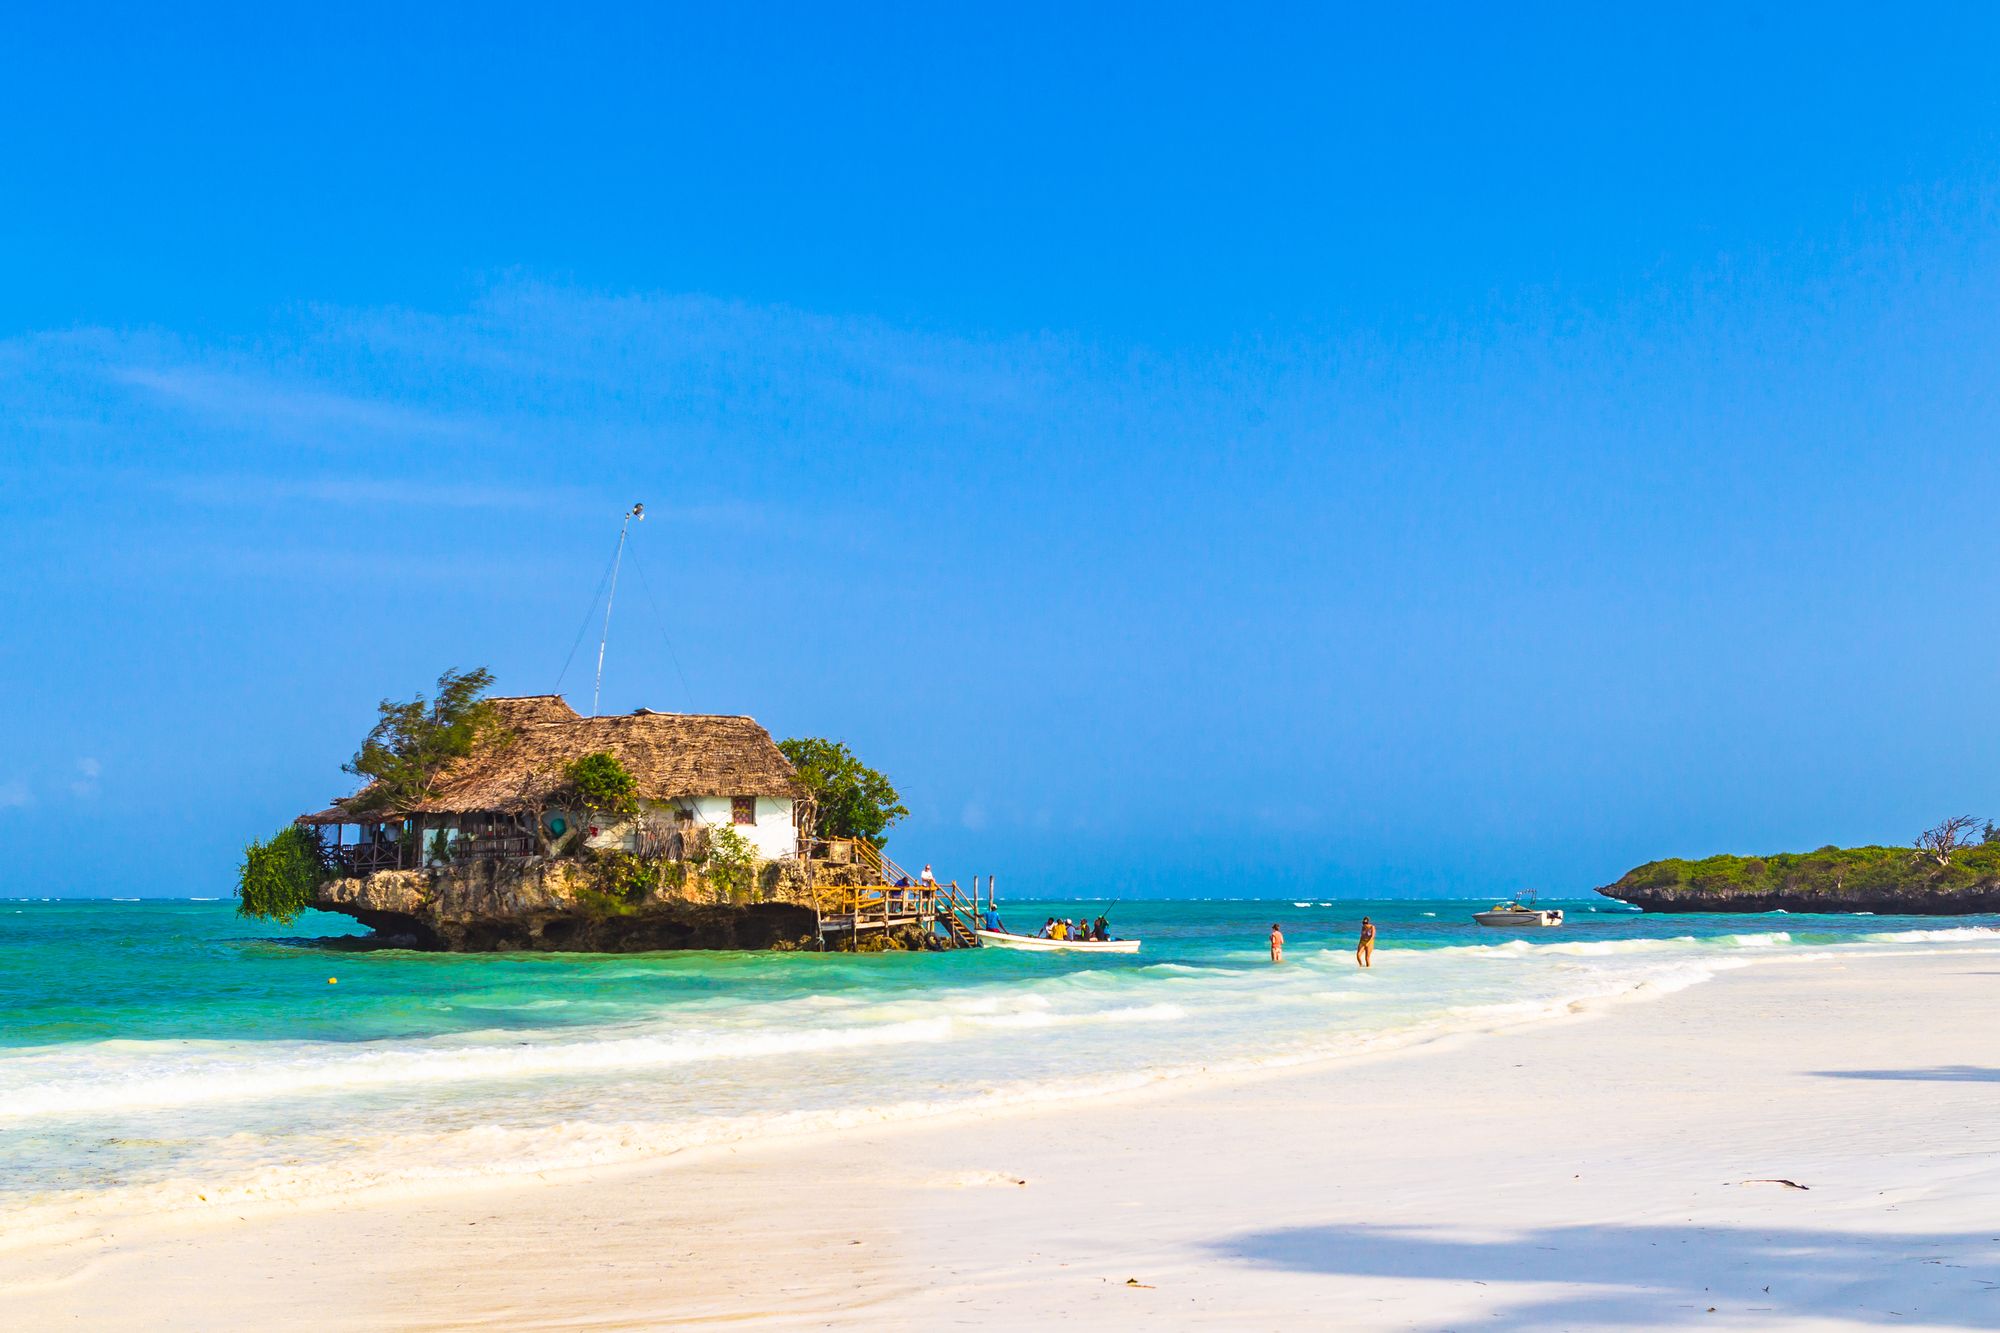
(367, 857)
(898, 898)
(509, 847)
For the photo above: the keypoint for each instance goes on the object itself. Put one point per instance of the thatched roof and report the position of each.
(527, 710)
(668, 754)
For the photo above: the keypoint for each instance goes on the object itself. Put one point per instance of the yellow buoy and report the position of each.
(333, 981)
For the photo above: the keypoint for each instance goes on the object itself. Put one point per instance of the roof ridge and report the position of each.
(662, 712)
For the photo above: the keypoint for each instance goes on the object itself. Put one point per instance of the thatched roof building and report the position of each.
(670, 756)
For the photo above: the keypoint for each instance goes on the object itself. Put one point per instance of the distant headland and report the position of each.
(1947, 872)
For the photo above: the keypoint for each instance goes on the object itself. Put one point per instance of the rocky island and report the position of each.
(514, 823)
(1942, 875)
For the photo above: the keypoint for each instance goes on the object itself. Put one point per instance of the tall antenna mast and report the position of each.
(638, 512)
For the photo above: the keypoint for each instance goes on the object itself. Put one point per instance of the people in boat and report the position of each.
(1061, 931)
(1048, 930)
(1364, 952)
(1101, 928)
(1277, 944)
(993, 921)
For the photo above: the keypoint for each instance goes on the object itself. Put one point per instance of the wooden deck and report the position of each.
(896, 901)
(858, 910)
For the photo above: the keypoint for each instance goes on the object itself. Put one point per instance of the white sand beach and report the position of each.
(1612, 1170)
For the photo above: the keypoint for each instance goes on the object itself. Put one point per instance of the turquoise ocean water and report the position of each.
(161, 1054)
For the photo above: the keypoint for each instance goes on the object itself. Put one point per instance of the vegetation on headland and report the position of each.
(412, 742)
(280, 874)
(1944, 871)
(853, 800)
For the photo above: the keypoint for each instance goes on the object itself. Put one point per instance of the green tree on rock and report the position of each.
(413, 742)
(732, 861)
(854, 800)
(600, 782)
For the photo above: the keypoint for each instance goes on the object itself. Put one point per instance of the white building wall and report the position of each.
(773, 835)
(613, 833)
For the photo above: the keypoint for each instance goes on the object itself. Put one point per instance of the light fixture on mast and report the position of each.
(637, 511)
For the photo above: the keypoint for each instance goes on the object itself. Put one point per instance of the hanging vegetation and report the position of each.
(280, 874)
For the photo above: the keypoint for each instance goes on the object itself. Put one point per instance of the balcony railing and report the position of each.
(368, 857)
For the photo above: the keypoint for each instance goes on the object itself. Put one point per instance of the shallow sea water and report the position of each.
(169, 1054)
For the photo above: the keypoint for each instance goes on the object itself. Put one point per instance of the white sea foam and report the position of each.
(428, 1161)
(162, 1075)
(1942, 933)
(416, 1115)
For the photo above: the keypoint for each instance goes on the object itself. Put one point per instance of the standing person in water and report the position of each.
(1277, 944)
(1364, 952)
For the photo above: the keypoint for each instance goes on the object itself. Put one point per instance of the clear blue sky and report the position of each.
(1387, 450)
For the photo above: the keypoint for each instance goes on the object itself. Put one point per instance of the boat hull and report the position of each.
(1000, 939)
(1518, 920)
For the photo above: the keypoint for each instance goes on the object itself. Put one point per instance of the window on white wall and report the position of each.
(743, 809)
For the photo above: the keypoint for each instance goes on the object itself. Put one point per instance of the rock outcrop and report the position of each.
(571, 906)
(1883, 880)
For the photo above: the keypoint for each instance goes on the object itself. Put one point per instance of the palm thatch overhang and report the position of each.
(669, 755)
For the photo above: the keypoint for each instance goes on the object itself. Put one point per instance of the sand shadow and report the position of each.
(1937, 1074)
(1661, 1276)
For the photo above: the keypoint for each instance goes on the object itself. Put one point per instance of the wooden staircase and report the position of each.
(940, 906)
(958, 918)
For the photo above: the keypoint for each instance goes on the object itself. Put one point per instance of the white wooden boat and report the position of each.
(1513, 916)
(1000, 939)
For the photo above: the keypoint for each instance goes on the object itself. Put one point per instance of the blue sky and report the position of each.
(1199, 451)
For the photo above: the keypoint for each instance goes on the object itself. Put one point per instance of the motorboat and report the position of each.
(1001, 939)
(1514, 915)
